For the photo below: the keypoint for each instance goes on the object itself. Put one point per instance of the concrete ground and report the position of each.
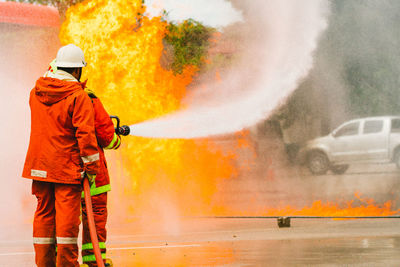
(244, 242)
(255, 242)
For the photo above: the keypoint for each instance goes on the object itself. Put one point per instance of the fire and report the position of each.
(359, 206)
(157, 177)
(123, 50)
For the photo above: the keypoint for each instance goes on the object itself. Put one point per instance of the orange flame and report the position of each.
(357, 207)
(160, 177)
(154, 176)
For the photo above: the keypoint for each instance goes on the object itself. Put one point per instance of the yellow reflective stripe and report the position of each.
(92, 257)
(98, 190)
(90, 158)
(115, 139)
(44, 240)
(87, 246)
(53, 67)
(67, 240)
(119, 142)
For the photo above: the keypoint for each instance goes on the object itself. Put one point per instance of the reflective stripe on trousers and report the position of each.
(87, 246)
(56, 220)
(67, 240)
(44, 240)
(92, 257)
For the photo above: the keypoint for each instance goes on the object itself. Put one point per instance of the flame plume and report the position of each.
(123, 50)
(161, 178)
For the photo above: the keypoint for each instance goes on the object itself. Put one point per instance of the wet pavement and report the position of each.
(259, 242)
(243, 242)
(253, 242)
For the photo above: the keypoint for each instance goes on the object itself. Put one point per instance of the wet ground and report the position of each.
(255, 242)
(259, 242)
(245, 242)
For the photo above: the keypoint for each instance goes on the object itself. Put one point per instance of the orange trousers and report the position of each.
(99, 205)
(56, 223)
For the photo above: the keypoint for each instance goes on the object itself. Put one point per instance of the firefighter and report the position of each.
(62, 151)
(106, 139)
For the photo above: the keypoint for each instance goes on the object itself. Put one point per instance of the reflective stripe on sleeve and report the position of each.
(44, 240)
(113, 142)
(88, 258)
(91, 158)
(67, 240)
(87, 246)
(119, 142)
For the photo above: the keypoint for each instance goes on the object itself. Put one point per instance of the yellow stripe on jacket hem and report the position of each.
(98, 190)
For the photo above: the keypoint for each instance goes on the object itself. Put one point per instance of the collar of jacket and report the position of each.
(61, 75)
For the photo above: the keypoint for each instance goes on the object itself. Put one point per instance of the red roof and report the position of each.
(29, 14)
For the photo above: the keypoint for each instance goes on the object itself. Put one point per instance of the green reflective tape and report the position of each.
(119, 142)
(87, 246)
(98, 190)
(88, 258)
(115, 139)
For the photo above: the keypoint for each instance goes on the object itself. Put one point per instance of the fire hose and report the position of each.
(92, 226)
(120, 130)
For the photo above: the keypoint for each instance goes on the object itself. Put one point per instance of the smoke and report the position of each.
(24, 52)
(280, 37)
(356, 68)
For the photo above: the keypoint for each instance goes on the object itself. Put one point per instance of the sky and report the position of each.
(215, 13)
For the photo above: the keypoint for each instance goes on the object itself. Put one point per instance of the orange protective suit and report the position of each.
(107, 139)
(62, 148)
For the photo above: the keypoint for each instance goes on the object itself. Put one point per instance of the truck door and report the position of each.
(345, 146)
(374, 140)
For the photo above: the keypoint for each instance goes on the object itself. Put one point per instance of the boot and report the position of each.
(109, 263)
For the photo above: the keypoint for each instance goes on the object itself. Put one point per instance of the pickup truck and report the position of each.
(369, 140)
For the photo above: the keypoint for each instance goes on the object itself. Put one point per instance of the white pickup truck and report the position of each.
(373, 139)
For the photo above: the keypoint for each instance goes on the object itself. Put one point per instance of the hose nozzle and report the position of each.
(121, 130)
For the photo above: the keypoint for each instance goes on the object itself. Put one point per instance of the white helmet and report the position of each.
(70, 56)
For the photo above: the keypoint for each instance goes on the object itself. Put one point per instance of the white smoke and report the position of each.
(25, 52)
(279, 53)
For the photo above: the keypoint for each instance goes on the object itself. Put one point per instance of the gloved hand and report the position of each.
(91, 178)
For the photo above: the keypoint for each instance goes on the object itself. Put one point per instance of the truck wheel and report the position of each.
(339, 169)
(318, 163)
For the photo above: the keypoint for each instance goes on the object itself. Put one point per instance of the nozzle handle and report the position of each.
(121, 130)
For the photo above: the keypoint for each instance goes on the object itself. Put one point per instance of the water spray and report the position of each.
(278, 55)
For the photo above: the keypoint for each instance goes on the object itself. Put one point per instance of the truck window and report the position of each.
(395, 126)
(375, 126)
(348, 129)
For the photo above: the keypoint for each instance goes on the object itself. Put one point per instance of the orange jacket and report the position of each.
(63, 142)
(106, 139)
